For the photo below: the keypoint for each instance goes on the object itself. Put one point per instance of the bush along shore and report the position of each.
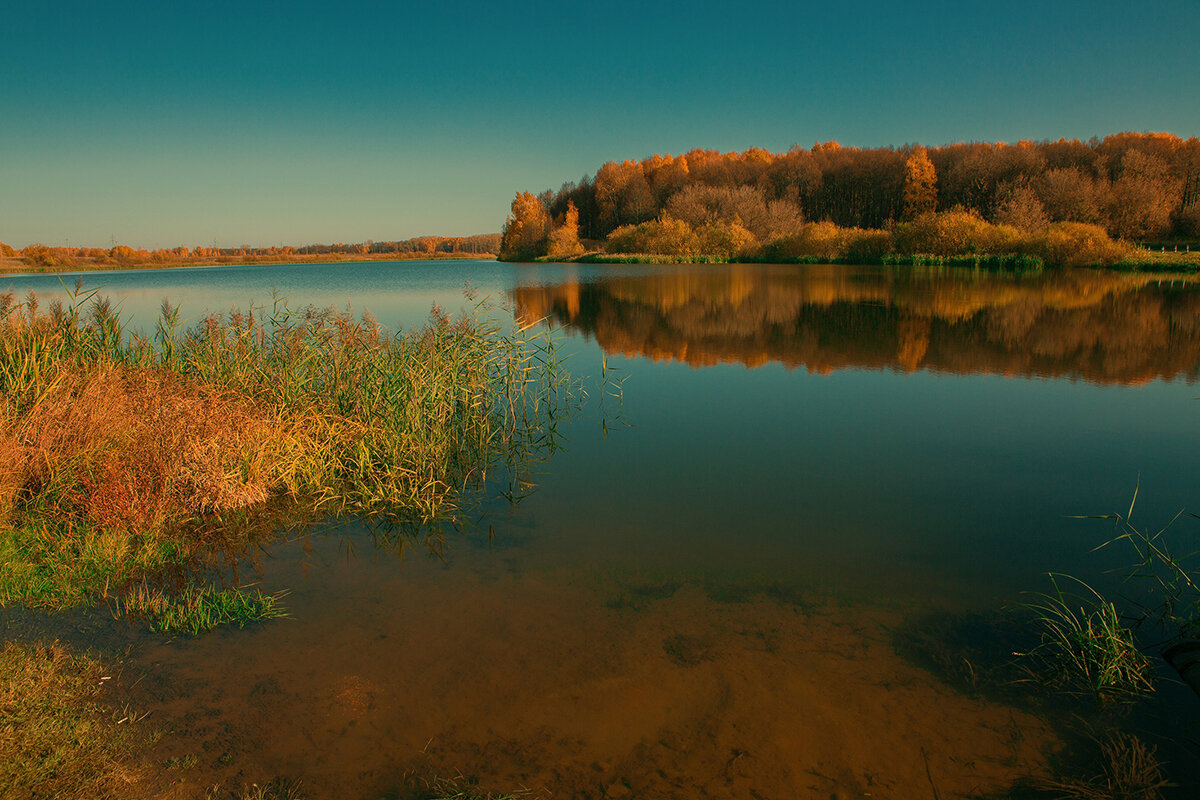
(952, 239)
(126, 457)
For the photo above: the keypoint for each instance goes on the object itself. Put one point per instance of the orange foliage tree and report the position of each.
(526, 230)
(564, 239)
(920, 184)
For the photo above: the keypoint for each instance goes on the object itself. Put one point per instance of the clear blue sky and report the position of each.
(293, 122)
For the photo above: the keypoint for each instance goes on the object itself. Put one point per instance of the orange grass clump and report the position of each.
(138, 446)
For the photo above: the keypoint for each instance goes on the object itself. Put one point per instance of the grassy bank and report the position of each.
(124, 456)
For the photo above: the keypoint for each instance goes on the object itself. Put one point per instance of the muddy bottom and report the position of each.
(569, 686)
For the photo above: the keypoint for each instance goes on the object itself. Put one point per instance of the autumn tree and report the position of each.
(1143, 197)
(1020, 207)
(1072, 195)
(920, 184)
(526, 229)
(564, 239)
(1134, 184)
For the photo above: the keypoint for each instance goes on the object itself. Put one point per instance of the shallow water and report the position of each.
(703, 595)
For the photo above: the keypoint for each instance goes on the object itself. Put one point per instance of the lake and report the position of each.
(794, 502)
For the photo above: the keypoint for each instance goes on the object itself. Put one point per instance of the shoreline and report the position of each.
(1169, 262)
(16, 266)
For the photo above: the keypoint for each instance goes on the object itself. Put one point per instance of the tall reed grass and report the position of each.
(119, 450)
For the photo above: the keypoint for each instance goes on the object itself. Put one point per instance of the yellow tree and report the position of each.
(920, 185)
(526, 229)
(564, 240)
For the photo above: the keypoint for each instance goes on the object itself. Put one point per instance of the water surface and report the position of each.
(702, 596)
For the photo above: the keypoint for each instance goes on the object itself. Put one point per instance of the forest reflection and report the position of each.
(1099, 326)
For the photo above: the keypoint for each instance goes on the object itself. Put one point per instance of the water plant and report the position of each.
(1086, 647)
(196, 609)
(1167, 583)
(463, 788)
(275, 789)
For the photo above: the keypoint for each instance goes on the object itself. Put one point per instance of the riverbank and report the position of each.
(1136, 261)
(19, 266)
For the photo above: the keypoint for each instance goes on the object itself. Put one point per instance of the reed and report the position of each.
(1086, 647)
(119, 450)
(198, 609)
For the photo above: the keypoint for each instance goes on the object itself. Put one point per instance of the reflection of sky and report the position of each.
(399, 294)
(872, 481)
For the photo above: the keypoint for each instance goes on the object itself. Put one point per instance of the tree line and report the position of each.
(1132, 186)
(123, 255)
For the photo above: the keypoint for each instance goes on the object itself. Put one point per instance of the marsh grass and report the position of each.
(56, 739)
(123, 454)
(1004, 262)
(1086, 647)
(198, 609)
(1165, 584)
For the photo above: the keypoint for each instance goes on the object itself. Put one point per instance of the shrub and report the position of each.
(663, 236)
(1074, 244)
(724, 239)
(954, 232)
(830, 242)
(866, 246)
(38, 255)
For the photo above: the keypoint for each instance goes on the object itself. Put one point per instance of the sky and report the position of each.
(157, 124)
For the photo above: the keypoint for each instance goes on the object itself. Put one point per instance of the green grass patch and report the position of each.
(1086, 648)
(643, 258)
(1141, 260)
(198, 609)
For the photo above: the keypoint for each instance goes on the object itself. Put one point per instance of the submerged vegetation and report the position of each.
(123, 455)
(1059, 203)
(1126, 769)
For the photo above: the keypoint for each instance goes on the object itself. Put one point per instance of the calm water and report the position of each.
(703, 596)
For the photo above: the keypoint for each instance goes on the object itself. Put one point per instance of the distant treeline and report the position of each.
(1129, 186)
(40, 255)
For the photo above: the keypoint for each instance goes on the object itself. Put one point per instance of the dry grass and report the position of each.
(1128, 770)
